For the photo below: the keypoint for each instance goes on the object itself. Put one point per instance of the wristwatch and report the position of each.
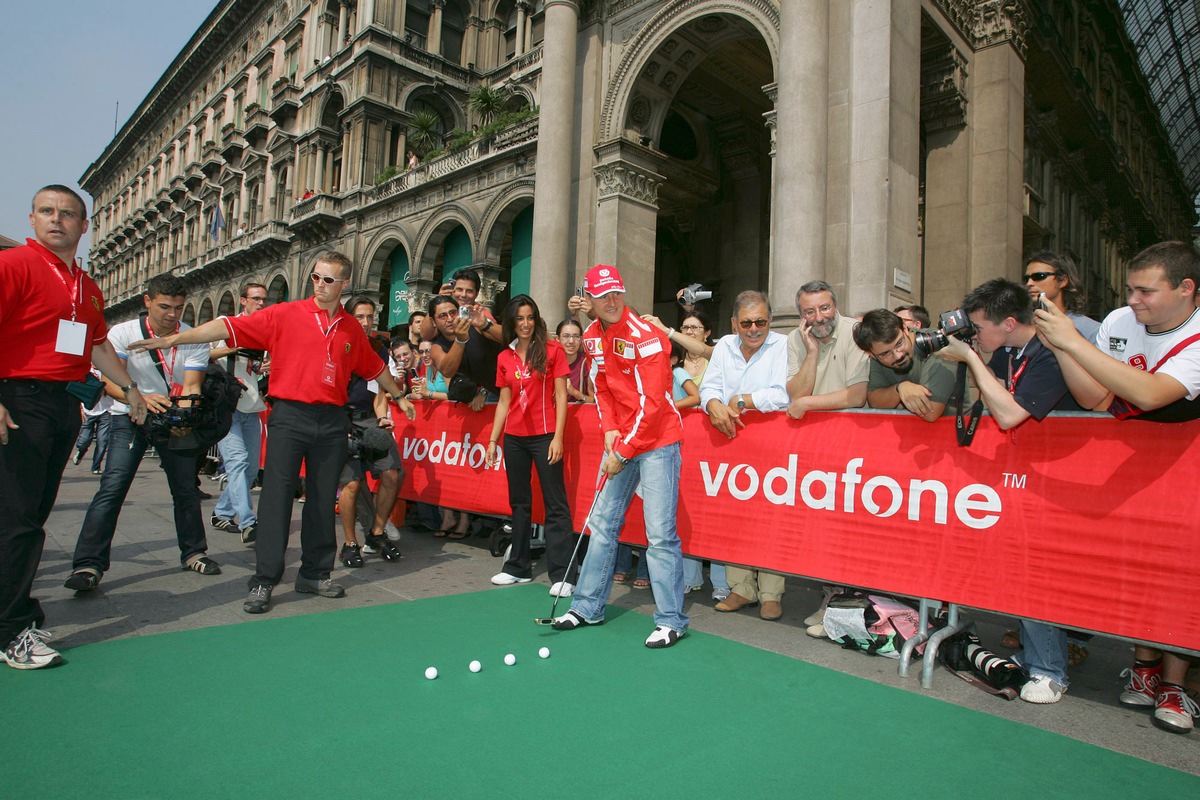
(488, 326)
(741, 402)
(132, 385)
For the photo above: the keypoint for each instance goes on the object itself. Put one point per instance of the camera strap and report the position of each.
(155, 354)
(964, 430)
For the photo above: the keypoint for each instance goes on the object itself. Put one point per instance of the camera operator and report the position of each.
(173, 371)
(467, 339)
(368, 408)
(902, 376)
(1024, 379)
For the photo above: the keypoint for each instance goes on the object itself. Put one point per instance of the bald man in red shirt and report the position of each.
(315, 346)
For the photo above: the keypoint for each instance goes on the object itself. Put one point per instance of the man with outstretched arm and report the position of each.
(315, 346)
(642, 435)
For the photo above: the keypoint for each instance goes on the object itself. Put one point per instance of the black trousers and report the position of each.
(314, 435)
(522, 454)
(31, 467)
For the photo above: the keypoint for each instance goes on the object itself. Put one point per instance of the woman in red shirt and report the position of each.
(532, 413)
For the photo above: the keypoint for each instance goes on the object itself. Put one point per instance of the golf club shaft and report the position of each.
(575, 553)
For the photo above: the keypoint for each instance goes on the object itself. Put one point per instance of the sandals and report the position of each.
(641, 583)
(203, 565)
(620, 577)
(458, 534)
(441, 533)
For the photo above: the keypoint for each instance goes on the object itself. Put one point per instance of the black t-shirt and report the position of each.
(1034, 378)
(358, 397)
(479, 358)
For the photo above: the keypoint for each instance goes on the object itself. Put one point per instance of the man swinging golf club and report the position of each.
(642, 433)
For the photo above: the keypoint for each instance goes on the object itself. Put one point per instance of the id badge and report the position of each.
(329, 374)
(72, 337)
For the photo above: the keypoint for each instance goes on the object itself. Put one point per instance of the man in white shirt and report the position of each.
(747, 372)
(177, 371)
(242, 446)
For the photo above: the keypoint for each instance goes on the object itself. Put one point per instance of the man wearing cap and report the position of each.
(642, 433)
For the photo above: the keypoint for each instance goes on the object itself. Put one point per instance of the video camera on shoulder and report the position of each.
(368, 444)
(951, 323)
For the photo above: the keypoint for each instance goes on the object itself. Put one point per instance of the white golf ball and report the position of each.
(431, 673)
(544, 652)
(476, 666)
(510, 659)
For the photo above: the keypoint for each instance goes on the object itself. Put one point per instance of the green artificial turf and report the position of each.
(336, 705)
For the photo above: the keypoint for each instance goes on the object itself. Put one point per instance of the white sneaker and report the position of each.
(504, 579)
(393, 533)
(561, 589)
(1042, 689)
(29, 651)
(817, 631)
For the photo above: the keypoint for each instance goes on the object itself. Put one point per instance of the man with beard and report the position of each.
(900, 377)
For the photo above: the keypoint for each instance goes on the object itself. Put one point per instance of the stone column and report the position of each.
(470, 47)
(522, 16)
(433, 43)
(402, 15)
(319, 157)
(366, 14)
(627, 183)
(270, 189)
(343, 19)
(243, 215)
(798, 198)
(553, 211)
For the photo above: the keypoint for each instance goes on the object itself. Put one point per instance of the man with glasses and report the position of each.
(901, 377)
(826, 371)
(242, 446)
(315, 347)
(747, 372)
(1056, 277)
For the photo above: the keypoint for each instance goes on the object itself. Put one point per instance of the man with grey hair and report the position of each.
(747, 372)
(826, 370)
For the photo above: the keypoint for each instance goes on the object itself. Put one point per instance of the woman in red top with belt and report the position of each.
(532, 413)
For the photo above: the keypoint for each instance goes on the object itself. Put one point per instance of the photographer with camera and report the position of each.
(467, 341)
(241, 448)
(159, 375)
(1023, 378)
(370, 416)
(901, 375)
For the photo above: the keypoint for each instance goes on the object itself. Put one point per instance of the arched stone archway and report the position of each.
(206, 312)
(277, 290)
(189, 315)
(226, 306)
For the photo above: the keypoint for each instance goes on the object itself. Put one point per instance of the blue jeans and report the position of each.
(126, 447)
(693, 572)
(716, 574)
(1044, 650)
(94, 427)
(240, 450)
(658, 472)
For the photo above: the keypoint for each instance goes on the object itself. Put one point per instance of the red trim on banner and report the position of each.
(1085, 522)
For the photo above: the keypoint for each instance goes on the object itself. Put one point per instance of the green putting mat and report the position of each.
(336, 705)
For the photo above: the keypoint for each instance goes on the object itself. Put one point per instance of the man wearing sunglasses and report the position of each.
(747, 372)
(1055, 276)
(315, 347)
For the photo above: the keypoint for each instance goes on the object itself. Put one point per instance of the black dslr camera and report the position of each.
(368, 444)
(176, 427)
(951, 323)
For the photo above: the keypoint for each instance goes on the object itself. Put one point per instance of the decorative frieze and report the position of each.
(619, 178)
(943, 89)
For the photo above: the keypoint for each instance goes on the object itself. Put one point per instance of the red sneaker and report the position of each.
(1142, 689)
(1174, 710)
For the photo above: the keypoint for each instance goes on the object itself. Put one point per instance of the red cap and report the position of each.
(602, 279)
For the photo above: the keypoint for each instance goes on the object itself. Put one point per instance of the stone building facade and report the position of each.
(902, 151)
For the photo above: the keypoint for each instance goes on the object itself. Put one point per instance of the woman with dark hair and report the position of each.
(532, 414)
(569, 334)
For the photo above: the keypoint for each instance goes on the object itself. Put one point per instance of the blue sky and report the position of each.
(62, 72)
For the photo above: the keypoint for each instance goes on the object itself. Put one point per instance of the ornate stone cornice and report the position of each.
(943, 90)
(619, 178)
(984, 23)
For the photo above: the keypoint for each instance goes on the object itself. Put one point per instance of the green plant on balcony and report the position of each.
(487, 103)
(424, 132)
(387, 174)
(459, 139)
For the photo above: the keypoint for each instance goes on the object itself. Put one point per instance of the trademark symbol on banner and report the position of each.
(1013, 481)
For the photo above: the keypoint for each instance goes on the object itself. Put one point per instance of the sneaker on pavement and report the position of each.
(82, 580)
(1042, 689)
(222, 524)
(1174, 711)
(258, 601)
(368, 548)
(203, 565)
(560, 589)
(325, 587)
(719, 594)
(351, 555)
(249, 534)
(504, 579)
(384, 546)
(393, 533)
(30, 651)
(95, 472)
(75, 459)
(570, 621)
(817, 631)
(663, 637)
(1142, 688)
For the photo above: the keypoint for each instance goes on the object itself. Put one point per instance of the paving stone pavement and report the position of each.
(145, 592)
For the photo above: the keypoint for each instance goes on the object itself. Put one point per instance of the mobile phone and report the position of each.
(464, 312)
(1043, 302)
(579, 291)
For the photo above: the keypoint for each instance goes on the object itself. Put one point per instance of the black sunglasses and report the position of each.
(1038, 277)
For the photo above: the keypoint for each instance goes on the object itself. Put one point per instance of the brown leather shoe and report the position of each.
(735, 601)
(771, 610)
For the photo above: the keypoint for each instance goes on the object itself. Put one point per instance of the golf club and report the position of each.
(586, 521)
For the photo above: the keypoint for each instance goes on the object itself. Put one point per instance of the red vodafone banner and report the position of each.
(1083, 521)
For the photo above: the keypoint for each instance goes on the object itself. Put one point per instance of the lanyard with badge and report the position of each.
(329, 374)
(72, 335)
(174, 388)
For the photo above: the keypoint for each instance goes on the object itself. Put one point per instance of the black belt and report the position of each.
(359, 416)
(34, 383)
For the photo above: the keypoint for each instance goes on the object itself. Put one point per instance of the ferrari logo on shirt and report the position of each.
(347, 348)
(623, 348)
(95, 303)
